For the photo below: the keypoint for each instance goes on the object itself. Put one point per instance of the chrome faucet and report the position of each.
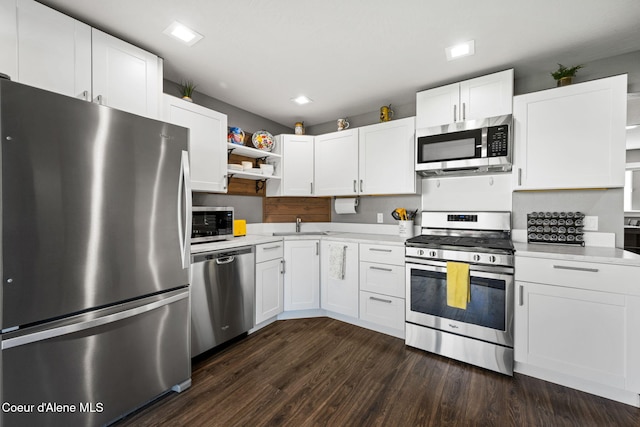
(298, 222)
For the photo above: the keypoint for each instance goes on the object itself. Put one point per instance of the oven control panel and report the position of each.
(445, 255)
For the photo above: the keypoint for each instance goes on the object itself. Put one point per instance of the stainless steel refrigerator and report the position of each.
(95, 225)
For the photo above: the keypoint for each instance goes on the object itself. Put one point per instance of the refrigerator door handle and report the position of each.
(102, 320)
(184, 197)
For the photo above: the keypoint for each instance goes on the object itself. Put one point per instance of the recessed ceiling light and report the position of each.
(301, 100)
(460, 50)
(183, 33)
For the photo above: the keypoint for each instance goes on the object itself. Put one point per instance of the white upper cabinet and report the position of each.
(336, 163)
(125, 76)
(386, 158)
(297, 169)
(54, 50)
(63, 55)
(8, 39)
(478, 98)
(207, 142)
(571, 136)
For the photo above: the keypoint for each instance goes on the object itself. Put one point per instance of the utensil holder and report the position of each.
(405, 229)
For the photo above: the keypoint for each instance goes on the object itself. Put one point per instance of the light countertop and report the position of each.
(606, 255)
(256, 239)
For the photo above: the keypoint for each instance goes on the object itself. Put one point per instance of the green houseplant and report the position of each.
(564, 76)
(186, 89)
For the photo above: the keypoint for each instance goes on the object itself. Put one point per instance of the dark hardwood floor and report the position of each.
(324, 372)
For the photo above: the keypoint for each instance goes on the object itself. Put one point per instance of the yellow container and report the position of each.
(239, 227)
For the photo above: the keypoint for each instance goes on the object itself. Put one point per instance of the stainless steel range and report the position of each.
(481, 334)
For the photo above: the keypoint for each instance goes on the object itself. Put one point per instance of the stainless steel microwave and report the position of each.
(210, 224)
(471, 147)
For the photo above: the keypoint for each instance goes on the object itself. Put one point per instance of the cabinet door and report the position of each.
(302, 274)
(125, 76)
(386, 158)
(297, 165)
(486, 96)
(439, 106)
(336, 163)
(269, 295)
(8, 39)
(339, 294)
(207, 142)
(572, 331)
(572, 136)
(54, 50)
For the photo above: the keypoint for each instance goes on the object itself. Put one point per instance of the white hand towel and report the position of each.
(337, 255)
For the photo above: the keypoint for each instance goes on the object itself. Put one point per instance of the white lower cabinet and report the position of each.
(581, 338)
(339, 277)
(382, 285)
(302, 274)
(269, 281)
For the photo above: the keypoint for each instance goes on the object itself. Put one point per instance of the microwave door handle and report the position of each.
(483, 143)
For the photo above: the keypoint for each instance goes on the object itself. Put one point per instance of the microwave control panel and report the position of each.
(498, 141)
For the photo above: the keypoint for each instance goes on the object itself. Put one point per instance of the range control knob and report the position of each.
(432, 253)
(492, 258)
(476, 257)
(420, 252)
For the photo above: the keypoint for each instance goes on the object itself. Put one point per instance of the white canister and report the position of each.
(405, 229)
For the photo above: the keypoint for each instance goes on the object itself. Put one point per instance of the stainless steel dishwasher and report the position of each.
(222, 296)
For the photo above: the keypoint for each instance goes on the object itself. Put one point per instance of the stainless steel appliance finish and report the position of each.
(471, 147)
(211, 224)
(483, 333)
(95, 225)
(223, 296)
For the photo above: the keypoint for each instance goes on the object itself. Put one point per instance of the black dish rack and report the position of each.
(565, 228)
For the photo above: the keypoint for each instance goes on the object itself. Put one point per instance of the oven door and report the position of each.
(489, 314)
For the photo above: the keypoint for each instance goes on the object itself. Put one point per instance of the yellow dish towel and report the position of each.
(458, 285)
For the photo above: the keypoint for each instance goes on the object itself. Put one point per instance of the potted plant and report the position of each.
(564, 76)
(186, 90)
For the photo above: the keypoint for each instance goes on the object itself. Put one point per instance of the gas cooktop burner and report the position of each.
(436, 241)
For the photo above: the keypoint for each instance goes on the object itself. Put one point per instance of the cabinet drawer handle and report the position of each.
(379, 250)
(317, 248)
(311, 188)
(361, 190)
(519, 176)
(464, 111)
(380, 268)
(355, 183)
(282, 265)
(564, 267)
(454, 113)
(267, 248)
(388, 301)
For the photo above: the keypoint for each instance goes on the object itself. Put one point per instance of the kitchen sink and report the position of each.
(301, 233)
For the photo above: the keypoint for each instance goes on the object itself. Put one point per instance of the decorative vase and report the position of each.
(186, 98)
(565, 81)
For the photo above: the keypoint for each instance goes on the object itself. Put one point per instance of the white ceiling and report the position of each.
(352, 56)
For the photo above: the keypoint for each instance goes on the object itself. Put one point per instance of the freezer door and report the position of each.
(95, 205)
(105, 363)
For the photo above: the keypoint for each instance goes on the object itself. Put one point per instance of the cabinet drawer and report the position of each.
(382, 278)
(384, 254)
(382, 310)
(269, 251)
(577, 274)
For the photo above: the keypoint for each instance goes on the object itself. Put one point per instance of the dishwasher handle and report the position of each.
(225, 260)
